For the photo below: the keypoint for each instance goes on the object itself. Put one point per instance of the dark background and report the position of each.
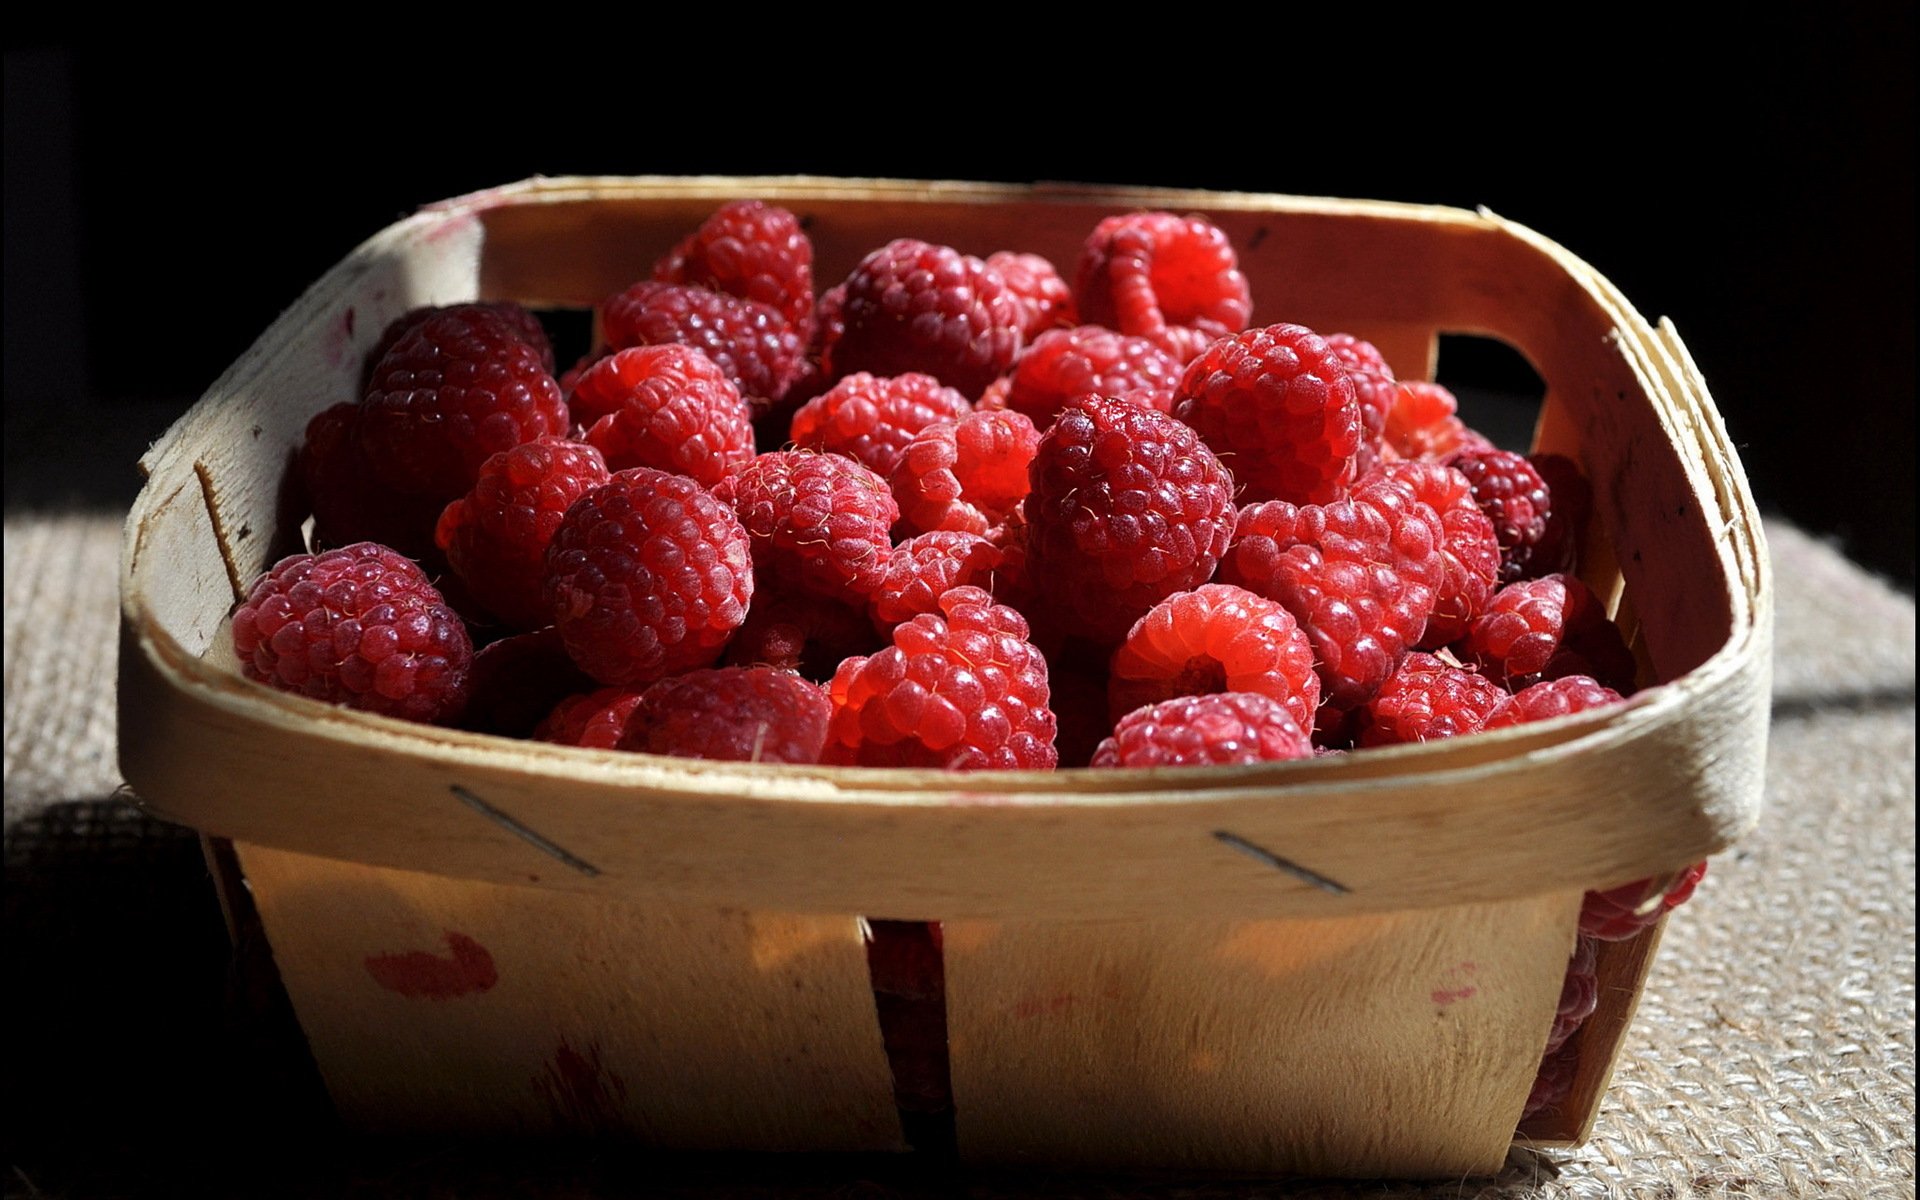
(1755, 184)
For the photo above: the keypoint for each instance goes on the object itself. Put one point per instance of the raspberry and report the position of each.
(914, 306)
(1360, 585)
(1037, 285)
(752, 250)
(1374, 388)
(1570, 502)
(349, 505)
(1422, 425)
(1579, 992)
(801, 632)
(518, 680)
(1128, 507)
(1551, 698)
(922, 569)
(1278, 407)
(965, 475)
(829, 323)
(1156, 275)
(647, 576)
(597, 720)
(1623, 912)
(962, 689)
(1065, 365)
(359, 626)
(1554, 1083)
(871, 419)
(458, 389)
(750, 342)
(1547, 629)
(1510, 491)
(524, 325)
(819, 522)
(496, 536)
(735, 714)
(1205, 731)
(668, 407)
(1427, 699)
(1470, 555)
(1216, 638)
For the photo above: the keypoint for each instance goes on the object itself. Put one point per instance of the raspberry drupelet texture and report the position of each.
(734, 714)
(518, 680)
(648, 576)
(915, 306)
(459, 388)
(1427, 699)
(596, 720)
(668, 407)
(961, 689)
(1128, 507)
(1579, 992)
(818, 522)
(1553, 1084)
(1469, 552)
(1362, 586)
(1216, 638)
(1036, 284)
(1552, 698)
(1373, 387)
(751, 343)
(1546, 629)
(966, 475)
(360, 626)
(348, 503)
(804, 632)
(1624, 912)
(1422, 425)
(1065, 365)
(1277, 405)
(516, 317)
(1173, 279)
(1205, 731)
(1571, 502)
(922, 569)
(495, 537)
(871, 418)
(750, 249)
(1510, 491)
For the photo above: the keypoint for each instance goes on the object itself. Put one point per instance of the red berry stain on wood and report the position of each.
(1444, 996)
(417, 974)
(580, 1090)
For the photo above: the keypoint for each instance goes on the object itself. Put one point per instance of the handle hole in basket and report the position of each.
(1500, 392)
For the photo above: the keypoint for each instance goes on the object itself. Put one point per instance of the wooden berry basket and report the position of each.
(1338, 966)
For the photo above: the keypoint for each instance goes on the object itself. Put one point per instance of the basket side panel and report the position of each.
(435, 1004)
(1401, 1044)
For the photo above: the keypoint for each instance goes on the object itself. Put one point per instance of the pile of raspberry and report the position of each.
(951, 512)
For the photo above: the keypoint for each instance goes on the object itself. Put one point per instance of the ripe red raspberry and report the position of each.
(1552, 698)
(871, 419)
(1065, 365)
(1128, 507)
(1427, 699)
(1037, 285)
(799, 631)
(1277, 405)
(965, 475)
(348, 504)
(1579, 992)
(1373, 386)
(819, 522)
(1547, 629)
(667, 407)
(1216, 638)
(1205, 731)
(751, 343)
(1571, 501)
(914, 306)
(458, 389)
(922, 569)
(753, 250)
(1173, 279)
(1422, 425)
(1360, 585)
(962, 689)
(518, 680)
(1470, 554)
(648, 576)
(1624, 912)
(734, 714)
(597, 720)
(359, 626)
(1554, 1084)
(1510, 491)
(496, 536)
(523, 323)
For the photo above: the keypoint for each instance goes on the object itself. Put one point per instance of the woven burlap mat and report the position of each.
(1773, 1054)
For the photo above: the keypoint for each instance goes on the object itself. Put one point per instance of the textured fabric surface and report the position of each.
(1773, 1054)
